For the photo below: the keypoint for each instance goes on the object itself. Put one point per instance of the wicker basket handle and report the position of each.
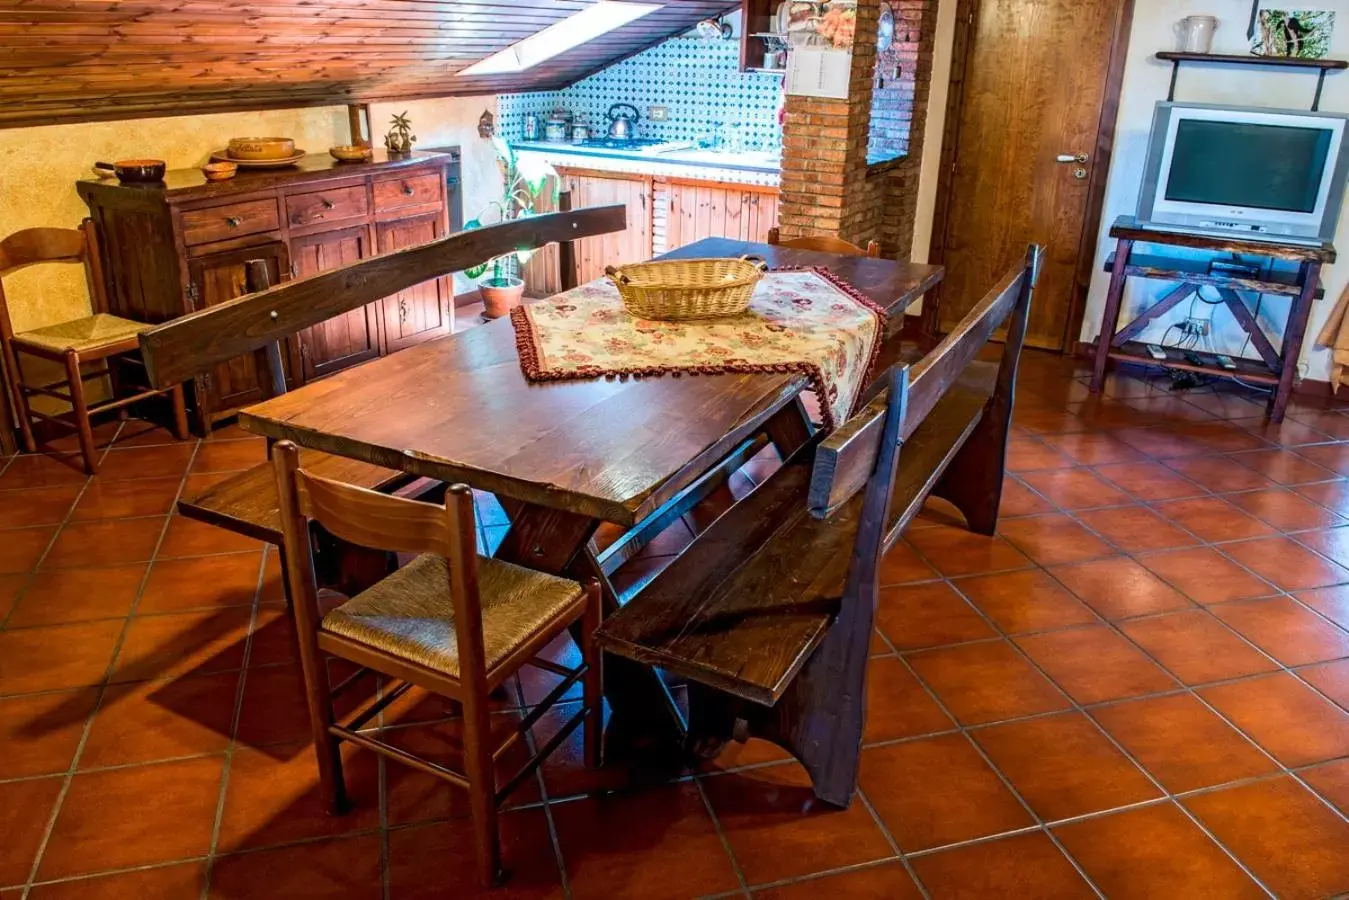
(758, 261)
(616, 275)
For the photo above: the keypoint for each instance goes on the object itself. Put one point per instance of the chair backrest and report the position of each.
(848, 458)
(32, 246)
(825, 243)
(383, 522)
(184, 347)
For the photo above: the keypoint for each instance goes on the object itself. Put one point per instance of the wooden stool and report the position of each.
(94, 338)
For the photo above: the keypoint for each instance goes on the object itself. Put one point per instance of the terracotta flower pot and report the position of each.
(500, 297)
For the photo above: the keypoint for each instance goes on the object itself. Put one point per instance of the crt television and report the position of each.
(1263, 174)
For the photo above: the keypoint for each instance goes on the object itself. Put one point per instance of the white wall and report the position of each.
(933, 127)
(1145, 82)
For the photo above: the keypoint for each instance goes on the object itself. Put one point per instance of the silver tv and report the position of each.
(1256, 173)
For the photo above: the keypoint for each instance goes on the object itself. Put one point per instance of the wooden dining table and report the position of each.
(565, 456)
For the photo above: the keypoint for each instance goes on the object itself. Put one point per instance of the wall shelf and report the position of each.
(1176, 57)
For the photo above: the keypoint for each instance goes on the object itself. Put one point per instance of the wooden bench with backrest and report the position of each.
(769, 613)
(247, 502)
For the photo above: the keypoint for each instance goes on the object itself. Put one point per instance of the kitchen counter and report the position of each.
(756, 167)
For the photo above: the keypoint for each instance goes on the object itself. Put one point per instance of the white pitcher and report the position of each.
(1196, 33)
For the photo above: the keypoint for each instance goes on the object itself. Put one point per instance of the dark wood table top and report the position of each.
(460, 409)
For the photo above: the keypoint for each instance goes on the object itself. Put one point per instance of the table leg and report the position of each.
(554, 541)
(1110, 317)
(1293, 334)
(789, 428)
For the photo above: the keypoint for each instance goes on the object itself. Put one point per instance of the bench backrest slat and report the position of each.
(182, 348)
(847, 458)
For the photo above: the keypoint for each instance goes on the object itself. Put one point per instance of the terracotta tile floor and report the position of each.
(1139, 688)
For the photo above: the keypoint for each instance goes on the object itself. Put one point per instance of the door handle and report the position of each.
(1079, 158)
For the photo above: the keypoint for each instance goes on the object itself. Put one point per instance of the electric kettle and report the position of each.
(623, 121)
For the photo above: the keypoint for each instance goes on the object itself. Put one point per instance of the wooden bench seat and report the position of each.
(768, 614)
(247, 502)
(751, 598)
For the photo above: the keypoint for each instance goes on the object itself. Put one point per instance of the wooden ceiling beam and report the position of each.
(86, 60)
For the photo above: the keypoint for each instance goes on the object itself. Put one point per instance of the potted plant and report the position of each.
(524, 182)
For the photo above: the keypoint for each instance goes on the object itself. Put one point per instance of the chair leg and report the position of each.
(19, 397)
(80, 410)
(180, 429)
(482, 790)
(327, 748)
(593, 681)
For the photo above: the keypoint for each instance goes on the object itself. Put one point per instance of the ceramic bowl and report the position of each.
(261, 148)
(135, 171)
(219, 171)
(352, 153)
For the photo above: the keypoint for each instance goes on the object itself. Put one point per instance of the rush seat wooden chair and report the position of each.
(99, 337)
(825, 243)
(450, 621)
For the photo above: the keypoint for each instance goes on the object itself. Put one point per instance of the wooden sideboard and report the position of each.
(182, 245)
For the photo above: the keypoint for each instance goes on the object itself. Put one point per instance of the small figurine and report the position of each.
(400, 137)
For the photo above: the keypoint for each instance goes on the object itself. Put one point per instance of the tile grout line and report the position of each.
(1280, 668)
(962, 729)
(227, 764)
(721, 836)
(100, 690)
(1077, 707)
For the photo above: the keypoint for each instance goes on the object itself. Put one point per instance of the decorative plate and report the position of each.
(885, 33)
(222, 155)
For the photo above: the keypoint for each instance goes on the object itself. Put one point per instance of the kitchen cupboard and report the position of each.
(182, 245)
(663, 214)
(423, 311)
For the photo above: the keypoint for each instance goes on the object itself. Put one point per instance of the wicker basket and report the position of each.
(688, 288)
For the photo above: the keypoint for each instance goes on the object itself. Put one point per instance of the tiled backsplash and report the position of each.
(698, 80)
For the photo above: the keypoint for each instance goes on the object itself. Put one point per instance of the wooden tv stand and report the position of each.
(1276, 368)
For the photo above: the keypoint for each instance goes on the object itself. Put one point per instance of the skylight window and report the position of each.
(576, 29)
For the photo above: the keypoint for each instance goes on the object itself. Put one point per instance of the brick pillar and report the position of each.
(827, 186)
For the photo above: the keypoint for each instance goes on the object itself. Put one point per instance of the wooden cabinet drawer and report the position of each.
(220, 223)
(330, 205)
(411, 190)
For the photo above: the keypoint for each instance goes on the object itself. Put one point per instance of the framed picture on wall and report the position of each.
(1300, 33)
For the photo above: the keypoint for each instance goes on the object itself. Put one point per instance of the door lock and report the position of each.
(1079, 173)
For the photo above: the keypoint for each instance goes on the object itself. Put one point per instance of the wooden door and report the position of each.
(629, 246)
(215, 278)
(344, 340)
(700, 210)
(1035, 86)
(421, 312)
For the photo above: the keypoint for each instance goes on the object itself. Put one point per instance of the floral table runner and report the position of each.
(803, 320)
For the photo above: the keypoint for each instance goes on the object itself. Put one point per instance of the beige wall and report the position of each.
(446, 122)
(39, 167)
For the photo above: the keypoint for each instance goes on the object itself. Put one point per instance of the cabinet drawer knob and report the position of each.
(327, 204)
(233, 221)
(407, 189)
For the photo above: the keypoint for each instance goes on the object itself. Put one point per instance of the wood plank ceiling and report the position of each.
(82, 60)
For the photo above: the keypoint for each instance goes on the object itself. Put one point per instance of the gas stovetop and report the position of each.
(608, 143)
